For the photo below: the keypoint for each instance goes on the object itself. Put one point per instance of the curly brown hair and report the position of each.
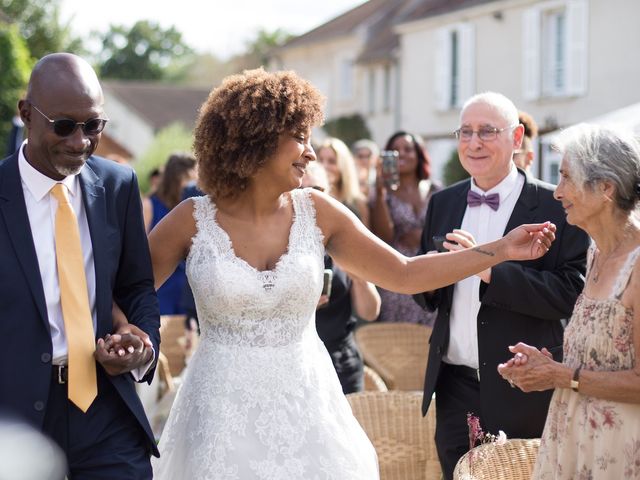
(239, 125)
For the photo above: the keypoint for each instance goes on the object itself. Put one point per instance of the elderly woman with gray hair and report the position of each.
(593, 426)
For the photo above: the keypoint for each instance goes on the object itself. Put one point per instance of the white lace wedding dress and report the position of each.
(260, 398)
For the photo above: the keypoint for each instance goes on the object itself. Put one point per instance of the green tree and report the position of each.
(144, 52)
(258, 49)
(15, 66)
(348, 128)
(39, 24)
(453, 171)
(174, 138)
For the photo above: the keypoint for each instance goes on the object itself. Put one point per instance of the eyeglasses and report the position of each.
(485, 134)
(65, 126)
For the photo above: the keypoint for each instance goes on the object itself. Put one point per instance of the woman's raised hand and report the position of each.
(529, 241)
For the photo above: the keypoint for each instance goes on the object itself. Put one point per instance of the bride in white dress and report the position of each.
(260, 398)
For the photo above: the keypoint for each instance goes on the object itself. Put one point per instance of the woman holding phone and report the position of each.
(398, 208)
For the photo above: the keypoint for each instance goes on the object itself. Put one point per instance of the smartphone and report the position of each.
(327, 279)
(438, 241)
(390, 173)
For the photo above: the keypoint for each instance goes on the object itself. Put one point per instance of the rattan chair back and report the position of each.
(372, 381)
(398, 352)
(402, 437)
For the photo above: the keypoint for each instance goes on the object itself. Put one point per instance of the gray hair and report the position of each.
(603, 154)
(505, 107)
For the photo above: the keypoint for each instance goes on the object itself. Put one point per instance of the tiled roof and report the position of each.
(160, 104)
(378, 18)
(431, 8)
(344, 24)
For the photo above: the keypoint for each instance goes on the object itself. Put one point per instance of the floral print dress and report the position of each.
(587, 437)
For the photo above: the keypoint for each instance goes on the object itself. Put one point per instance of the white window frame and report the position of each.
(455, 71)
(372, 90)
(543, 76)
(387, 88)
(346, 79)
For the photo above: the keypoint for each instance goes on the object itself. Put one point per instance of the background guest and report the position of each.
(365, 153)
(348, 296)
(397, 217)
(524, 156)
(179, 171)
(336, 158)
(593, 427)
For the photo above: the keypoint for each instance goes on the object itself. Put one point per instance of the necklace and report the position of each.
(597, 264)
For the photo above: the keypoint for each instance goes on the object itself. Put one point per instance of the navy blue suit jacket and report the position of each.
(123, 273)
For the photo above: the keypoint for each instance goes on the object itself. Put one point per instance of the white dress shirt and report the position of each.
(41, 210)
(486, 225)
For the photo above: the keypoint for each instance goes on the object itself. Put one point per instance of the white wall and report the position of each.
(125, 127)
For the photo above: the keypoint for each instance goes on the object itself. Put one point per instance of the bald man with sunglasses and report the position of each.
(73, 243)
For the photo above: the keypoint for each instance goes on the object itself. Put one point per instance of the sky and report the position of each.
(208, 26)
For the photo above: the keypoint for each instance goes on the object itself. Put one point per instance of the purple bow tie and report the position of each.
(474, 199)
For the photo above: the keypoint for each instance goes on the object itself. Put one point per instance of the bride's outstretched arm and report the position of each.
(170, 240)
(362, 253)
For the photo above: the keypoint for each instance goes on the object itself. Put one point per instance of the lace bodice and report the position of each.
(260, 398)
(251, 307)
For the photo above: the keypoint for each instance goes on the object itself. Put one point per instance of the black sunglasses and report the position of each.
(65, 126)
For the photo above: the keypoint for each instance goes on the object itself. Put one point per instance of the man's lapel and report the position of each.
(14, 211)
(523, 211)
(93, 196)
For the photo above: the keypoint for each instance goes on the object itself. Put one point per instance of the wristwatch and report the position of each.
(575, 381)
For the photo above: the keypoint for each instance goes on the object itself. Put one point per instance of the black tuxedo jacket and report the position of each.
(123, 273)
(525, 301)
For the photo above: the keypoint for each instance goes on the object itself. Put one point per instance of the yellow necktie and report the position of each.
(78, 324)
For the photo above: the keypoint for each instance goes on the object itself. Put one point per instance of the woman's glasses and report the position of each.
(65, 126)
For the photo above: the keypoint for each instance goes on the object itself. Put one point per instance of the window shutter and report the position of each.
(577, 35)
(467, 56)
(442, 68)
(531, 66)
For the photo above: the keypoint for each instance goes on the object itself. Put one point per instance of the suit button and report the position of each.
(45, 357)
(439, 350)
(39, 406)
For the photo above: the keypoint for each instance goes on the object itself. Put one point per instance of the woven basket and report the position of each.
(403, 439)
(398, 352)
(512, 461)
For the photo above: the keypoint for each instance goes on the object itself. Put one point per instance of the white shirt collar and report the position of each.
(504, 188)
(39, 184)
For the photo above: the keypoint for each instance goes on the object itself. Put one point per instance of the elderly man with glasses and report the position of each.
(479, 317)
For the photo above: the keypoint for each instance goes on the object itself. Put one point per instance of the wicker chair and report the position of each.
(403, 439)
(512, 461)
(172, 329)
(398, 352)
(373, 382)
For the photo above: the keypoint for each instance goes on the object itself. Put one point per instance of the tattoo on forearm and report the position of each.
(484, 252)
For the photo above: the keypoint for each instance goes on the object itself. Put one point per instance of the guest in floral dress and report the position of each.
(397, 217)
(593, 426)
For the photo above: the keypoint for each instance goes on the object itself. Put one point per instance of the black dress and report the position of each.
(335, 324)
